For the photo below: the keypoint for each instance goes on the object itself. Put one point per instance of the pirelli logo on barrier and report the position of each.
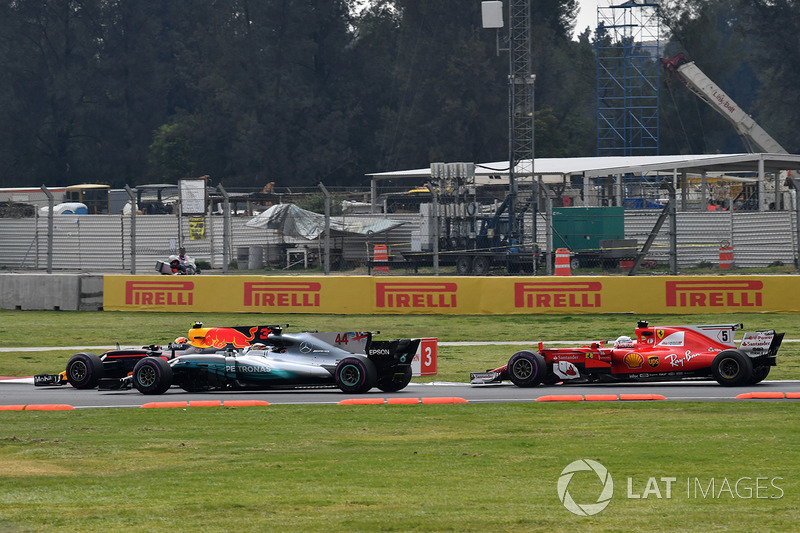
(282, 294)
(159, 293)
(723, 293)
(557, 294)
(422, 295)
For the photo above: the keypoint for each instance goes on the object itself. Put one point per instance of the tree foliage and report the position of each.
(298, 92)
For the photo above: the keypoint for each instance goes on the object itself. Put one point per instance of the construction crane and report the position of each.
(754, 137)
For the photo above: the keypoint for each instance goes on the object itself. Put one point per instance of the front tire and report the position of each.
(84, 370)
(732, 368)
(355, 375)
(395, 382)
(526, 369)
(152, 375)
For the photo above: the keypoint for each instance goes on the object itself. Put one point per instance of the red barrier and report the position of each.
(363, 401)
(157, 405)
(445, 399)
(49, 407)
(560, 398)
(641, 397)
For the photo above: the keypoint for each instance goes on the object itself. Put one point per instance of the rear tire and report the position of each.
(732, 368)
(526, 369)
(480, 265)
(759, 374)
(152, 375)
(355, 375)
(84, 370)
(395, 382)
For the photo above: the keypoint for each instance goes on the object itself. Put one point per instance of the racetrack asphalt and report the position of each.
(21, 391)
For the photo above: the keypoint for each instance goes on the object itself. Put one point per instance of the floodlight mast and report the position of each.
(520, 96)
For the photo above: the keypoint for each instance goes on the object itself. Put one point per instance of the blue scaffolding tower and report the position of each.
(628, 73)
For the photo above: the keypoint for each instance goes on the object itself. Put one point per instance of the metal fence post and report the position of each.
(673, 230)
(327, 228)
(51, 205)
(435, 217)
(132, 196)
(548, 231)
(796, 185)
(226, 221)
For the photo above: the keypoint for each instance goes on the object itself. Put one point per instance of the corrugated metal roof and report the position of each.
(604, 166)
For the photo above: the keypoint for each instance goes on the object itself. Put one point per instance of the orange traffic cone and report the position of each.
(725, 257)
(380, 254)
(562, 262)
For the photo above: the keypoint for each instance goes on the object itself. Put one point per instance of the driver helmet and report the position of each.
(180, 343)
(623, 341)
(258, 346)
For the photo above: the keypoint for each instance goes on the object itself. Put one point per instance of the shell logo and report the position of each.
(633, 360)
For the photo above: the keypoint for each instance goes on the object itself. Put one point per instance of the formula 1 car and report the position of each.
(86, 370)
(352, 361)
(663, 353)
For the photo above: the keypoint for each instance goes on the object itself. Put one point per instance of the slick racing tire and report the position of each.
(84, 370)
(732, 368)
(759, 374)
(395, 382)
(152, 375)
(526, 369)
(355, 375)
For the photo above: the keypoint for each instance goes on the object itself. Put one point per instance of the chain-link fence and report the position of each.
(431, 238)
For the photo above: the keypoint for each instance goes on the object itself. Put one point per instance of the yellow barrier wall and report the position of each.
(453, 295)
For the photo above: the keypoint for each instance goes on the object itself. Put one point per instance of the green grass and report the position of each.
(394, 468)
(476, 467)
(52, 328)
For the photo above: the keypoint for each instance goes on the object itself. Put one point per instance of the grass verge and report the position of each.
(400, 468)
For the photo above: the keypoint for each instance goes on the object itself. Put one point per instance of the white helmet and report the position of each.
(623, 341)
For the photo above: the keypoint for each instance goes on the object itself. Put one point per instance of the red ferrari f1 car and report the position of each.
(663, 353)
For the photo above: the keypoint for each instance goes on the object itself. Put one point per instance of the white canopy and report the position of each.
(606, 166)
(293, 221)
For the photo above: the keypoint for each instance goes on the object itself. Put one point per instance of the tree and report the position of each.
(710, 34)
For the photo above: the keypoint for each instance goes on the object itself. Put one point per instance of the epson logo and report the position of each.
(380, 351)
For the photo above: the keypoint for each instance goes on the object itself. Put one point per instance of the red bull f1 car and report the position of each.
(257, 357)
(663, 353)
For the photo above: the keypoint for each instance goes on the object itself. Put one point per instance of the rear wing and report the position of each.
(761, 343)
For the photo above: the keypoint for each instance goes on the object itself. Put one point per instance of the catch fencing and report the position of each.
(106, 243)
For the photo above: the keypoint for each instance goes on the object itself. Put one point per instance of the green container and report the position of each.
(582, 228)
